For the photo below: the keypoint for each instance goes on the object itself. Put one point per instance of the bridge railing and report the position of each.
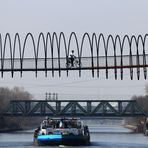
(101, 62)
(83, 63)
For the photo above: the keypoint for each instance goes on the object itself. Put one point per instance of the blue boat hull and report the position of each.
(62, 139)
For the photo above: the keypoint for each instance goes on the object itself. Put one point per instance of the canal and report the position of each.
(102, 136)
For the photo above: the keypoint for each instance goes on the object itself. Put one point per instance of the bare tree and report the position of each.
(6, 95)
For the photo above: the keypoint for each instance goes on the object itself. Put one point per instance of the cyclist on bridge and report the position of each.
(72, 57)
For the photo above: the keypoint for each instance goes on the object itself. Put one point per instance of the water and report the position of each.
(104, 136)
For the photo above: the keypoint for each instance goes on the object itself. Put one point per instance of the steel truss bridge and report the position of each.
(94, 52)
(79, 108)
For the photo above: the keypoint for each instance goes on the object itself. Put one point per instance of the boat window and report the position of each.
(61, 123)
(79, 125)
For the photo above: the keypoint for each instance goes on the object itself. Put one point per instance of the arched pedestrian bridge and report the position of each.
(73, 108)
(94, 52)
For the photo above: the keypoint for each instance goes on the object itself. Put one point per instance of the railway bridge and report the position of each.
(74, 108)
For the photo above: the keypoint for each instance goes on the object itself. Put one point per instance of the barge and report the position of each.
(62, 131)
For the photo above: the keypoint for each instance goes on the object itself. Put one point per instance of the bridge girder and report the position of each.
(71, 108)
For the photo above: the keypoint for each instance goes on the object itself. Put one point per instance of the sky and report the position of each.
(100, 16)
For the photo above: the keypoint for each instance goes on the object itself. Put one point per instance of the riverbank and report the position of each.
(134, 128)
(12, 124)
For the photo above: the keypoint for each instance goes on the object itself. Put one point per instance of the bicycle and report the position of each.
(73, 64)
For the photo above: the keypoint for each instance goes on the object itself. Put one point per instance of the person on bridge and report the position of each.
(72, 58)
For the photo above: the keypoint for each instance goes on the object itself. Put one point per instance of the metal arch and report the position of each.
(117, 38)
(7, 37)
(34, 50)
(144, 59)
(49, 38)
(101, 36)
(94, 39)
(41, 35)
(86, 35)
(14, 46)
(66, 54)
(110, 37)
(55, 40)
(133, 38)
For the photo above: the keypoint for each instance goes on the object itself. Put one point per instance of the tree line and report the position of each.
(142, 100)
(6, 95)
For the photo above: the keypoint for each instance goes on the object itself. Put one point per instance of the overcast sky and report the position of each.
(99, 16)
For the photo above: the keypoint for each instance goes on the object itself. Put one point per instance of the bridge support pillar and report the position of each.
(89, 107)
(42, 108)
(73, 109)
(120, 107)
(14, 107)
(58, 107)
(27, 108)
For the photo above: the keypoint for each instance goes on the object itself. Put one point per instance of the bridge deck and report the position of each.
(102, 62)
(86, 63)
